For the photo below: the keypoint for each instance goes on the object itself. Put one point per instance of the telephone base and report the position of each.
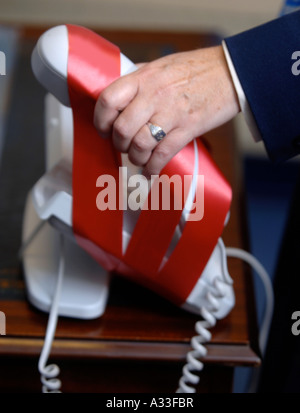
(85, 285)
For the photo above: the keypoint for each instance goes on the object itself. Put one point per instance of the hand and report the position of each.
(187, 94)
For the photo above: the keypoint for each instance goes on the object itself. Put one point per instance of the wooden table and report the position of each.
(140, 343)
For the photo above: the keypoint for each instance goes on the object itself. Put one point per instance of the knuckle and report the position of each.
(136, 160)
(140, 145)
(105, 99)
(121, 129)
(161, 153)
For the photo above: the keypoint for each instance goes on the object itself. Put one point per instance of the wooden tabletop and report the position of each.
(139, 325)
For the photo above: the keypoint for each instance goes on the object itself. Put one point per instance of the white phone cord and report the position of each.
(265, 278)
(194, 365)
(49, 373)
(268, 312)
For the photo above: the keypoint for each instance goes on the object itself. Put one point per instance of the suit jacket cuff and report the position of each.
(244, 105)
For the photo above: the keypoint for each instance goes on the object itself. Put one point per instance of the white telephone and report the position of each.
(81, 288)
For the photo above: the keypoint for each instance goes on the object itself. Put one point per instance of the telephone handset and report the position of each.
(51, 238)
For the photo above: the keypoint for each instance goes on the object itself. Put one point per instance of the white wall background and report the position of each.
(223, 17)
(228, 16)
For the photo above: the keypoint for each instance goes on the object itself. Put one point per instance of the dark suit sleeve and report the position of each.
(262, 58)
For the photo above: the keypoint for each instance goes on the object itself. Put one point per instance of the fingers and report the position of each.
(141, 147)
(186, 94)
(143, 143)
(123, 115)
(111, 102)
(165, 150)
(130, 122)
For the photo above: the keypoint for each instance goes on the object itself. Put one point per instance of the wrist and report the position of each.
(231, 90)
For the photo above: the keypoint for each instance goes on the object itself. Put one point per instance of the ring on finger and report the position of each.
(156, 131)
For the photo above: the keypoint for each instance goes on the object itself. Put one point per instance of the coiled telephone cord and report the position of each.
(190, 373)
(49, 373)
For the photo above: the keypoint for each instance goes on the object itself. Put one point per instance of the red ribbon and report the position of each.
(93, 64)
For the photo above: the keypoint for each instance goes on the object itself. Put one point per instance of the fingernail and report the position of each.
(103, 135)
(146, 174)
